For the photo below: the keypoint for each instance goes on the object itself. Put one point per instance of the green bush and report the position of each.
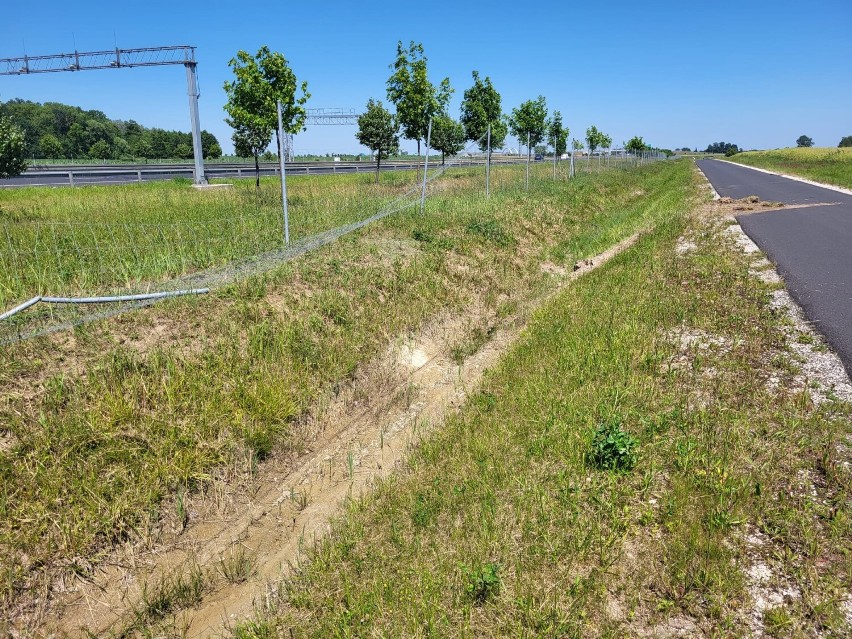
(613, 448)
(731, 151)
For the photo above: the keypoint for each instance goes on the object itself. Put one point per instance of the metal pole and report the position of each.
(192, 90)
(426, 168)
(282, 161)
(555, 143)
(488, 165)
(571, 168)
(527, 182)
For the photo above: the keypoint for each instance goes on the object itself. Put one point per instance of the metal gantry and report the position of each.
(331, 116)
(117, 59)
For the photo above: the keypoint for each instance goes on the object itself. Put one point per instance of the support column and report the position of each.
(192, 91)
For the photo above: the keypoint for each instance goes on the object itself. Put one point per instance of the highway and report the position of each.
(80, 174)
(809, 245)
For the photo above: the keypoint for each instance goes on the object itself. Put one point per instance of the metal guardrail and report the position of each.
(74, 175)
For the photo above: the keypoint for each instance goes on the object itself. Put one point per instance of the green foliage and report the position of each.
(447, 136)
(557, 135)
(577, 145)
(530, 121)
(804, 141)
(12, 149)
(100, 150)
(481, 107)
(635, 145)
(845, 141)
(597, 139)
(613, 448)
(721, 147)
(416, 99)
(260, 82)
(377, 130)
(53, 130)
(50, 146)
(482, 582)
(731, 152)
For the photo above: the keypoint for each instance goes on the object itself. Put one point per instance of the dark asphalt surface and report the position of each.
(811, 246)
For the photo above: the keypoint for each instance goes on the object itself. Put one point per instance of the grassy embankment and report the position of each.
(99, 426)
(503, 525)
(828, 165)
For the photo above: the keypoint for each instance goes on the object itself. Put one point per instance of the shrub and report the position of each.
(731, 151)
(613, 448)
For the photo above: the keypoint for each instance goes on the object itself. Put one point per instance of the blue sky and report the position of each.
(757, 73)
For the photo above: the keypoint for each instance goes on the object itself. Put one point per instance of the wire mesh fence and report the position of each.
(140, 240)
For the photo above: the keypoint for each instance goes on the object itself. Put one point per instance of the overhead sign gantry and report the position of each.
(121, 58)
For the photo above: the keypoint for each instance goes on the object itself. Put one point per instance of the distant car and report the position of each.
(539, 157)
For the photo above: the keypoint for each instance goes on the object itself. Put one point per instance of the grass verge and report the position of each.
(734, 520)
(828, 165)
(106, 424)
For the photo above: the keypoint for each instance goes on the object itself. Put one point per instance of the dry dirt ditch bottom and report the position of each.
(359, 438)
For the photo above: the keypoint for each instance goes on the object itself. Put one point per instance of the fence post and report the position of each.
(488, 165)
(527, 181)
(426, 168)
(71, 178)
(282, 161)
(139, 176)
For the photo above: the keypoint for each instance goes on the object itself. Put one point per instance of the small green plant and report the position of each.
(613, 448)
(482, 582)
(236, 566)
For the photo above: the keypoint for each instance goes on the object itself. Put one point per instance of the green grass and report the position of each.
(108, 422)
(502, 525)
(829, 165)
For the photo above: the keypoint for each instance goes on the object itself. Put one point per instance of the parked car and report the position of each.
(539, 157)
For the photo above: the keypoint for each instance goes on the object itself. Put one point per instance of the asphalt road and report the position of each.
(810, 246)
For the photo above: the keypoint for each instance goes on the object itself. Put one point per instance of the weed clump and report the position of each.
(613, 448)
(482, 582)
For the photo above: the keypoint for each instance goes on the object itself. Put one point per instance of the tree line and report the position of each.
(264, 79)
(59, 131)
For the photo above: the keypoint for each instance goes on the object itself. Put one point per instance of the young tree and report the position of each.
(12, 149)
(557, 136)
(447, 136)
(529, 121)
(845, 141)
(804, 141)
(577, 145)
(260, 81)
(416, 99)
(636, 145)
(481, 107)
(377, 130)
(594, 138)
(606, 141)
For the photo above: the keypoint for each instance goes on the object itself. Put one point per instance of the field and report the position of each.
(828, 165)
(109, 429)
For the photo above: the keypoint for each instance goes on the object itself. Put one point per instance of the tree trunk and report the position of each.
(442, 158)
(378, 165)
(256, 171)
